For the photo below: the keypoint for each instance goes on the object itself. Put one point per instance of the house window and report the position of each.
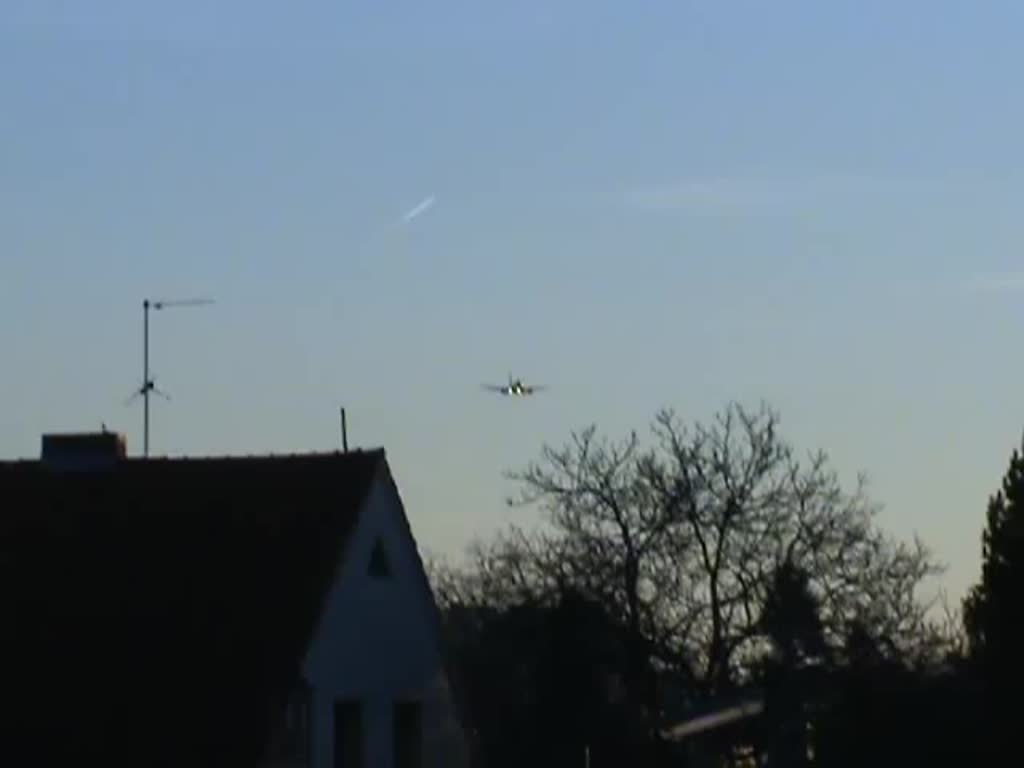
(349, 749)
(407, 731)
(380, 565)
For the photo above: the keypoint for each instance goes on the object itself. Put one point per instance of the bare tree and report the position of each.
(512, 569)
(749, 507)
(682, 540)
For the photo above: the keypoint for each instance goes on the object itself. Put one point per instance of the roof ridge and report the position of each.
(356, 452)
(224, 457)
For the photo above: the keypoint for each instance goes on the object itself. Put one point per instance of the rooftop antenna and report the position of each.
(344, 432)
(148, 384)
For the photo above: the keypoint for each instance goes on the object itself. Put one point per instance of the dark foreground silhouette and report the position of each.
(715, 573)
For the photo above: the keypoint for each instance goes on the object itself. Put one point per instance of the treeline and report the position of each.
(714, 567)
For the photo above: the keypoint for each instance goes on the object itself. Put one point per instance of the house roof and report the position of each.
(162, 607)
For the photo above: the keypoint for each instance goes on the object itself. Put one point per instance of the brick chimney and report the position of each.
(83, 451)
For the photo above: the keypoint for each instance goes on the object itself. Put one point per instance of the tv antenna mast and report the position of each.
(148, 384)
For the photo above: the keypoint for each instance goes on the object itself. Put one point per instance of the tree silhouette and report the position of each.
(540, 679)
(682, 541)
(994, 608)
(791, 619)
(992, 605)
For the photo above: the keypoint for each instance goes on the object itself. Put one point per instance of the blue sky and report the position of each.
(639, 204)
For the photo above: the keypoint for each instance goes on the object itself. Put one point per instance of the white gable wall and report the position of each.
(378, 643)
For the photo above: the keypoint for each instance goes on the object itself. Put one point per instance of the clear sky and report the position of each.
(638, 204)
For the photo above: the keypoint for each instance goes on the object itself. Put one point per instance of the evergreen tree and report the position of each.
(994, 608)
(791, 620)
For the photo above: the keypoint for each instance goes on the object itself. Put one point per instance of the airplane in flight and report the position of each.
(515, 388)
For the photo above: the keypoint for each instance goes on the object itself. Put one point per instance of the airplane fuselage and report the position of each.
(514, 388)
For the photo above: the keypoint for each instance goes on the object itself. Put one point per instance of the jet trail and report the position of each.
(419, 210)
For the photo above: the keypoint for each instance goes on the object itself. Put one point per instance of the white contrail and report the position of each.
(419, 210)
